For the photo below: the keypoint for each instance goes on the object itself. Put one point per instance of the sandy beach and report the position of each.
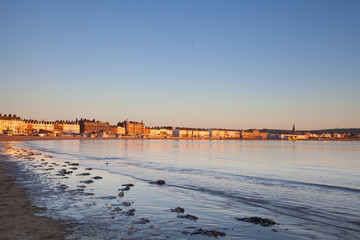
(17, 215)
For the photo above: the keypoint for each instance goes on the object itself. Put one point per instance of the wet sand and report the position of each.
(17, 215)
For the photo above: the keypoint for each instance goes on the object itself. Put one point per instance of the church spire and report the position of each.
(294, 131)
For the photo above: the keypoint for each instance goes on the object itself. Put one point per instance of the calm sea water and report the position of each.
(311, 189)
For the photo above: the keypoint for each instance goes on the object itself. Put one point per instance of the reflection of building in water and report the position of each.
(133, 128)
(191, 132)
(253, 134)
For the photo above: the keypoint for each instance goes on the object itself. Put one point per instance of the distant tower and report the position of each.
(294, 131)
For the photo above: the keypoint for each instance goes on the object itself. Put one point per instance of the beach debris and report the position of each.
(87, 181)
(97, 177)
(209, 233)
(188, 216)
(126, 203)
(47, 156)
(67, 162)
(142, 221)
(42, 160)
(178, 210)
(121, 194)
(88, 169)
(258, 220)
(81, 186)
(73, 168)
(130, 212)
(158, 182)
(83, 174)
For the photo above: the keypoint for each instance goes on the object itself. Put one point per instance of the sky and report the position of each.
(207, 64)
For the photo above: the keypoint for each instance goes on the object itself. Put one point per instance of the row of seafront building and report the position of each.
(12, 124)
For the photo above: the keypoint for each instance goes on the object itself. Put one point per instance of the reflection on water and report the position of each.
(305, 186)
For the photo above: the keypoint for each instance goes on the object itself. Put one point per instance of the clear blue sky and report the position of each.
(224, 64)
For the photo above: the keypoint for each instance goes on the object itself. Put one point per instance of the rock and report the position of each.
(258, 220)
(63, 186)
(121, 194)
(178, 210)
(126, 204)
(117, 209)
(64, 172)
(97, 177)
(130, 212)
(73, 168)
(88, 194)
(158, 182)
(81, 186)
(89, 168)
(188, 216)
(211, 233)
(83, 174)
(142, 221)
(87, 181)
(127, 188)
(73, 164)
(67, 162)
(108, 197)
(128, 185)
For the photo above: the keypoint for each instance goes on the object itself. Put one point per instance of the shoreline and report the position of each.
(18, 219)
(37, 138)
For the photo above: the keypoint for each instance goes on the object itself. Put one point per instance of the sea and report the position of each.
(310, 189)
